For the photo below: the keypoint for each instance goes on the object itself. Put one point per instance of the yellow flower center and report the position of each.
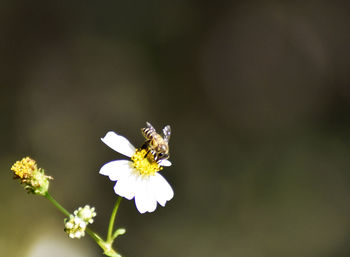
(144, 162)
(24, 168)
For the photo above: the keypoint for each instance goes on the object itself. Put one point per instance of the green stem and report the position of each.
(105, 245)
(57, 205)
(96, 237)
(111, 221)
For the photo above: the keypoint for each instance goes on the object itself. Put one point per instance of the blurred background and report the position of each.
(257, 94)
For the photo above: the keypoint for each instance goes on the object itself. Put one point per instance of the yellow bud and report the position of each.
(34, 179)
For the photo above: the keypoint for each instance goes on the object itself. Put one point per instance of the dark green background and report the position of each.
(257, 94)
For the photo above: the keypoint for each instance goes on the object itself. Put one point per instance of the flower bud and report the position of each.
(76, 224)
(87, 213)
(34, 179)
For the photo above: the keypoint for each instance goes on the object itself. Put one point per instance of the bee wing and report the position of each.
(165, 163)
(149, 125)
(166, 133)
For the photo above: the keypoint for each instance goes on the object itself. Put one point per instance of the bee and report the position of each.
(156, 144)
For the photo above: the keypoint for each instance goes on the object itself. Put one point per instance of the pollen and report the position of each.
(145, 163)
(24, 168)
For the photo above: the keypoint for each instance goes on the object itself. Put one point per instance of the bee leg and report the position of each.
(146, 153)
(145, 144)
(156, 157)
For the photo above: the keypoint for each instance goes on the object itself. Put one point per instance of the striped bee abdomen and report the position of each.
(148, 133)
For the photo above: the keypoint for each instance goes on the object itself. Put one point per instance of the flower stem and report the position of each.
(96, 237)
(106, 246)
(111, 221)
(57, 205)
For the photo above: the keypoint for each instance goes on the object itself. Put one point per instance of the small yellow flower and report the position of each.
(34, 179)
(24, 168)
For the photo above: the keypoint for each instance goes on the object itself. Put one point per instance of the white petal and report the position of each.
(127, 186)
(118, 143)
(161, 189)
(144, 198)
(115, 170)
(165, 162)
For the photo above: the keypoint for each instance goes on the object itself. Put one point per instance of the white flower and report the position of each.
(137, 177)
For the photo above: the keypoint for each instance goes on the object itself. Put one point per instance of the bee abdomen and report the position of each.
(147, 133)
